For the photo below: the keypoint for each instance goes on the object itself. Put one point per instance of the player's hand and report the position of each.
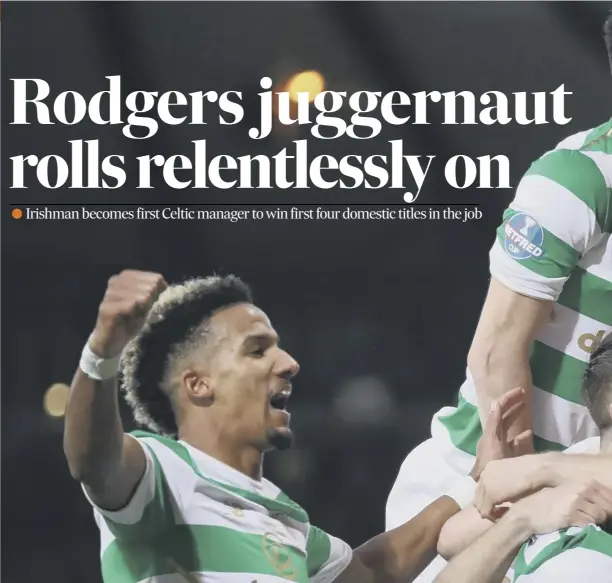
(507, 480)
(577, 504)
(494, 443)
(124, 308)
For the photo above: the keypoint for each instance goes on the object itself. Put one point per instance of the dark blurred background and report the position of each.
(380, 314)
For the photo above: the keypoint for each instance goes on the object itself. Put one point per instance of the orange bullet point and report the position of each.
(17, 213)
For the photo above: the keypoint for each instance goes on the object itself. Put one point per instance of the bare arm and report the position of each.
(489, 558)
(99, 454)
(466, 526)
(460, 531)
(510, 479)
(498, 359)
(399, 555)
(559, 469)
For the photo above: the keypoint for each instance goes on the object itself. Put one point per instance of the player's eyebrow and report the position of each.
(262, 338)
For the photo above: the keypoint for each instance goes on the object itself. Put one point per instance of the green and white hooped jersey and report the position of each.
(194, 519)
(554, 243)
(542, 559)
(571, 555)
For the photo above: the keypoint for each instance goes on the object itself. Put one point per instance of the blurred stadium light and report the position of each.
(55, 400)
(364, 400)
(311, 82)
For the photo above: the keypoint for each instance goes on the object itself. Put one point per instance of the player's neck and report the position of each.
(245, 459)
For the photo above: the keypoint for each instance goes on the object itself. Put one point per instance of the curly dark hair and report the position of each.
(176, 324)
(597, 385)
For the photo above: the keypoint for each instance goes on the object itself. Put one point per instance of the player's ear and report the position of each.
(197, 386)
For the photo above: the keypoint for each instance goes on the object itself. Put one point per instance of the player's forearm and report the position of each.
(557, 469)
(488, 559)
(399, 555)
(460, 531)
(93, 432)
(496, 369)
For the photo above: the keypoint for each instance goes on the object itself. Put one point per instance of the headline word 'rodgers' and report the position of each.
(33, 96)
(283, 170)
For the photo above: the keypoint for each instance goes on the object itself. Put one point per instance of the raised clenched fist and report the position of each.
(122, 313)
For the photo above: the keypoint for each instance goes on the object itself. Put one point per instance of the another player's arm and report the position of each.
(107, 462)
(559, 469)
(498, 359)
(565, 196)
(488, 559)
(460, 531)
(465, 527)
(508, 480)
(399, 555)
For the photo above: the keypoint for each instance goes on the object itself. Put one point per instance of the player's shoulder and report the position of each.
(538, 551)
(585, 139)
(579, 168)
(587, 151)
(172, 456)
(156, 441)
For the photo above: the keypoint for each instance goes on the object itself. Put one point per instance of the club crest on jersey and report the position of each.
(523, 237)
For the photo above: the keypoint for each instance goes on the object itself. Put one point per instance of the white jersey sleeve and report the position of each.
(327, 556)
(164, 489)
(559, 212)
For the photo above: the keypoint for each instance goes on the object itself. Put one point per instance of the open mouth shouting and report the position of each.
(278, 403)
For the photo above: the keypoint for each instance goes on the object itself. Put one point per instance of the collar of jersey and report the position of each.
(588, 445)
(281, 504)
